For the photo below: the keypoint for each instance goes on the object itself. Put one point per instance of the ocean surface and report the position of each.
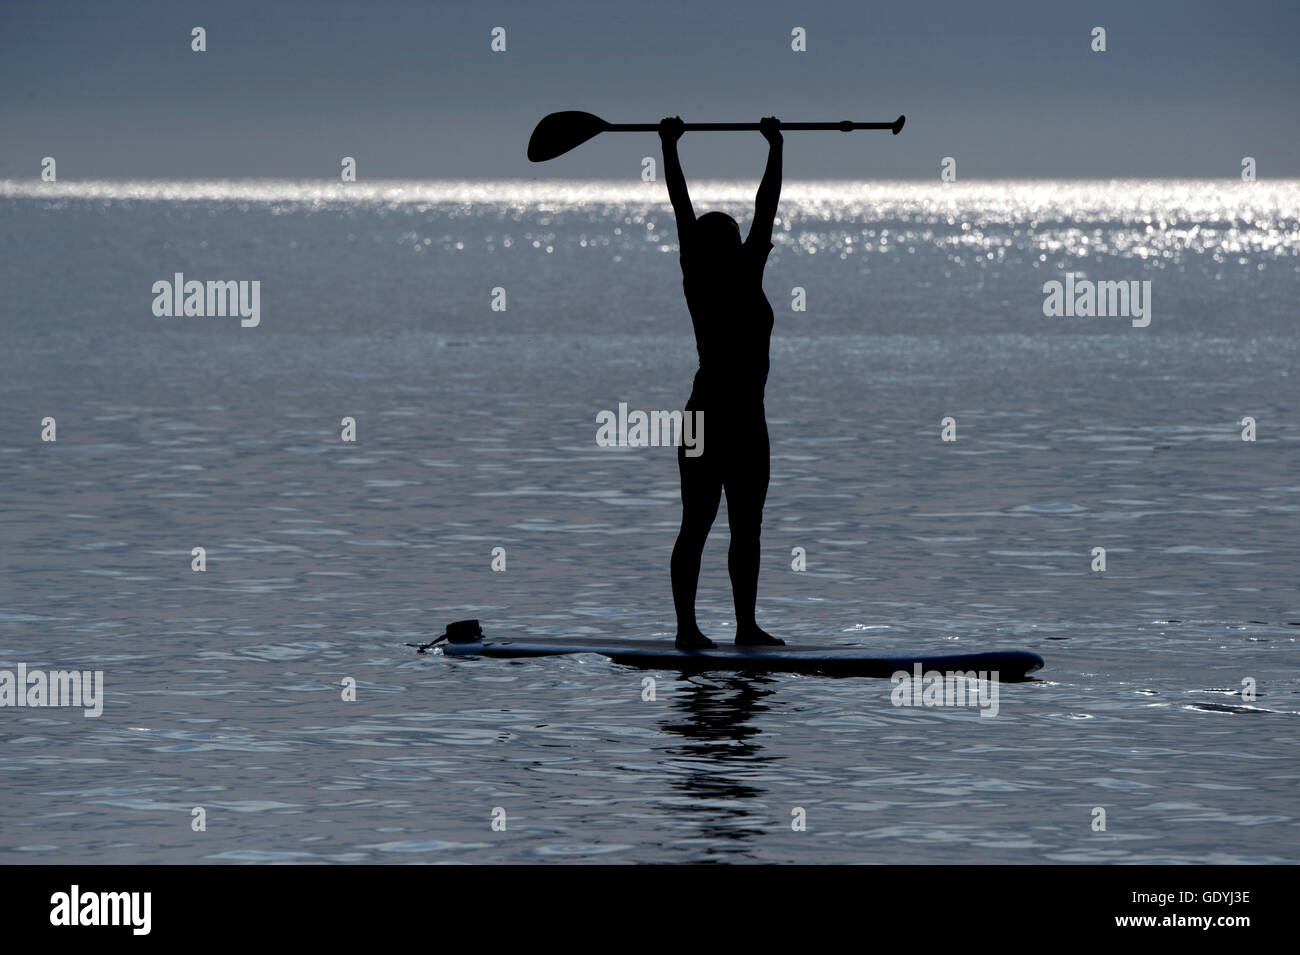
(475, 430)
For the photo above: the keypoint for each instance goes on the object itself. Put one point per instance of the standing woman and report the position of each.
(723, 280)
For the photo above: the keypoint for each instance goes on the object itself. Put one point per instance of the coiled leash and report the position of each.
(462, 631)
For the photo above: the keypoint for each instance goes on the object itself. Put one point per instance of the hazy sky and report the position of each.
(412, 90)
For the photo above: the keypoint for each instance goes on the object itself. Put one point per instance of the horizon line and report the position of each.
(575, 191)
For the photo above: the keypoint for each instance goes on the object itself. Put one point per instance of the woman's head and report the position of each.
(718, 234)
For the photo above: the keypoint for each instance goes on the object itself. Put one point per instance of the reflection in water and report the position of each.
(720, 751)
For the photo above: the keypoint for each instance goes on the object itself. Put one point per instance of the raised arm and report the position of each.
(769, 190)
(670, 130)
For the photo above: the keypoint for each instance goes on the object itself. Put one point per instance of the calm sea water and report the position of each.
(475, 430)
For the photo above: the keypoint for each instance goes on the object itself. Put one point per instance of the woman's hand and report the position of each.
(770, 127)
(671, 129)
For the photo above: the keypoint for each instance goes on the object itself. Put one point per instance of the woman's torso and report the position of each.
(733, 326)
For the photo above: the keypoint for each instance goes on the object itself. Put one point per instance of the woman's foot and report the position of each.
(757, 637)
(694, 640)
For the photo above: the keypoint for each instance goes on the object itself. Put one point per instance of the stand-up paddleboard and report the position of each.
(465, 639)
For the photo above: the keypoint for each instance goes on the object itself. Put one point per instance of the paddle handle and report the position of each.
(843, 125)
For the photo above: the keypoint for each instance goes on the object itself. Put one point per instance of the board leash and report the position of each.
(462, 631)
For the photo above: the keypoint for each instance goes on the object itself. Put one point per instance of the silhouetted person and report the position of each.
(723, 280)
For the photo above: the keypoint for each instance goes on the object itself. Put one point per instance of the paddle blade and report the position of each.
(557, 133)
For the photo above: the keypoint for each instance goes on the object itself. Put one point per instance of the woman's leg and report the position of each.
(701, 494)
(748, 470)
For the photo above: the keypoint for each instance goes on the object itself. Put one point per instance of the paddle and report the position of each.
(557, 133)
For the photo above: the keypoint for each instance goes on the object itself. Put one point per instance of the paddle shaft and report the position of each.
(844, 125)
(557, 133)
